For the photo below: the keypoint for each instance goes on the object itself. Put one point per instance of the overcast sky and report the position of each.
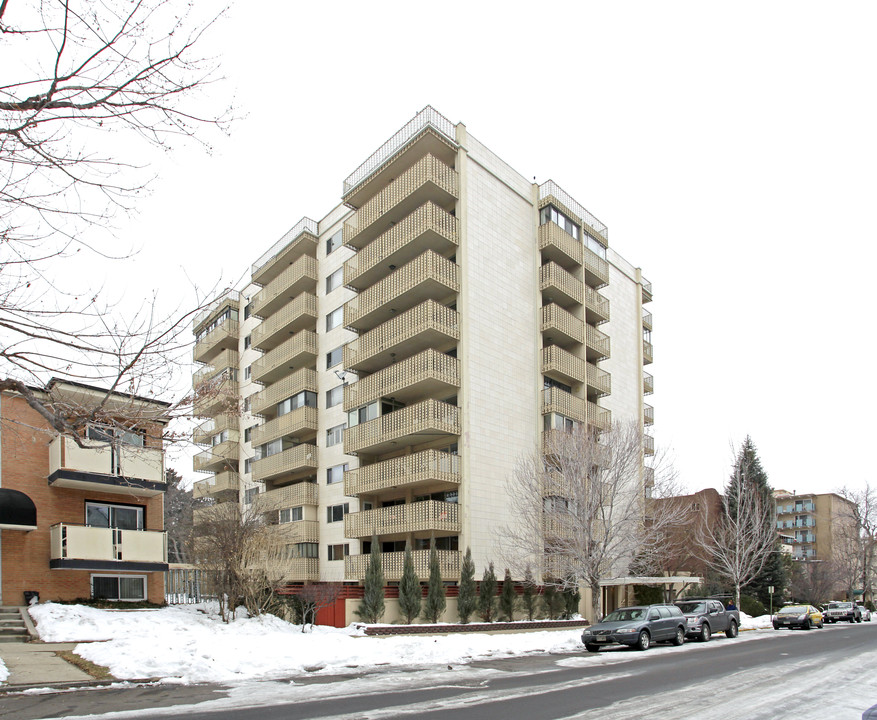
(730, 149)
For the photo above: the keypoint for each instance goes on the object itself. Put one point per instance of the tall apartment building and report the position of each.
(812, 522)
(396, 358)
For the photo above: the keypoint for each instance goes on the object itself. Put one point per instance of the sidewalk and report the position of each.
(35, 664)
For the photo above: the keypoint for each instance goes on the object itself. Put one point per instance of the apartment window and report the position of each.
(333, 243)
(247, 310)
(105, 433)
(335, 435)
(250, 495)
(448, 496)
(373, 410)
(333, 357)
(107, 515)
(219, 438)
(124, 588)
(268, 449)
(452, 542)
(339, 552)
(246, 404)
(291, 515)
(306, 398)
(247, 341)
(248, 432)
(334, 280)
(334, 318)
(229, 314)
(549, 383)
(248, 372)
(334, 396)
(302, 550)
(248, 465)
(551, 214)
(556, 421)
(336, 513)
(335, 474)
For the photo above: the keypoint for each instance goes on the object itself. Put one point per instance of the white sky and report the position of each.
(730, 148)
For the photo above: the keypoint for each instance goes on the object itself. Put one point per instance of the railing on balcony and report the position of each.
(648, 383)
(596, 268)
(219, 457)
(294, 460)
(265, 402)
(429, 276)
(232, 298)
(648, 445)
(300, 239)
(560, 322)
(216, 396)
(600, 418)
(599, 381)
(426, 372)
(596, 305)
(298, 314)
(301, 422)
(562, 365)
(417, 517)
(118, 460)
(555, 400)
(558, 245)
(300, 276)
(648, 415)
(421, 468)
(356, 566)
(429, 170)
(301, 569)
(647, 291)
(81, 542)
(300, 349)
(551, 190)
(647, 320)
(412, 330)
(597, 343)
(222, 337)
(429, 419)
(559, 286)
(303, 493)
(222, 482)
(225, 360)
(647, 352)
(206, 430)
(295, 532)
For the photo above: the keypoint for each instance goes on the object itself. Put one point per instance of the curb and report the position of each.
(73, 685)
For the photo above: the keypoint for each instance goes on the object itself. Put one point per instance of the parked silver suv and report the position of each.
(837, 611)
(637, 627)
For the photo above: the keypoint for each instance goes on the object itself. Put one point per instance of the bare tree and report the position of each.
(858, 535)
(578, 507)
(813, 581)
(313, 598)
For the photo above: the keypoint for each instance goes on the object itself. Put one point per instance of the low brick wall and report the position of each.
(473, 627)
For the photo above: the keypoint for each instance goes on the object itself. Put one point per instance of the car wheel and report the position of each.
(806, 625)
(643, 641)
(821, 625)
(731, 632)
(679, 638)
(776, 627)
(591, 647)
(705, 633)
(859, 619)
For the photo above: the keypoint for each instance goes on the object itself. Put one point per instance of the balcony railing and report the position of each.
(300, 240)
(647, 320)
(265, 402)
(301, 422)
(222, 362)
(558, 245)
(648, 415)
(224, 337)
(427, 228)
(295, 460)
(232, 298)
(648, 445)
(206, 430)
(300, 350)
(299, 277)
(596, 306)
(356, 566)
(562, 325)
(429, 467)
(303, 493)
(71, 542)
(555, 400)
(599, 381)
(419, 517)
(301, 569)
(300, 531)
(551, 191)
(216, 396)
(648, 383)
(106, 467)
(561, 365)
(298, 314)
(427, 179)
(425, 374)
(596, 268)
(223, 482)
(647, 352)
(429, 276)
(559, 287)
(599, 417)
(597, 343)
(429, 324)
(647, 291)
(218, 458)
(428, 420)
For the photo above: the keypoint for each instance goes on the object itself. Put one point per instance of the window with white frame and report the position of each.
(334, 396)
(333, 357)
(336, 513)
(108, 515)
(339, 552)
(334, 242)
(122, 588)
(335, 474)
(335, 435)
(334, 318)
(291, 514)
(250, 495)
(334, 280)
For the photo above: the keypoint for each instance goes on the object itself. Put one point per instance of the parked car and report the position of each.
(866, 613)
(802, 616)
(706, 616)
(837, 611)
(637, 627)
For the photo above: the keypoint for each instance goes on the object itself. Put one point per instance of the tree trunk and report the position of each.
(596, 597)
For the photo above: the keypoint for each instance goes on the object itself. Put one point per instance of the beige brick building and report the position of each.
(813, 522)
(396, 357)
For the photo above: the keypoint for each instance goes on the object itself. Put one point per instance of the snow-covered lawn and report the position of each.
(4, 673)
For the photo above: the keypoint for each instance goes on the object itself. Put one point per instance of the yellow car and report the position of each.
(802, 616)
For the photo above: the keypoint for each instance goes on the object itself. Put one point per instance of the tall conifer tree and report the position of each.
(410, 594)
(467, 599)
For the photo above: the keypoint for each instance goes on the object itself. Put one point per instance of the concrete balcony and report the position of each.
(429, 179)
(561, 327)
(647, 320)
(301, 569)
(427, 374)
(427, 228)
(421, 423)
(356, 566)
(597, 344)
(596, 269)
(223, 483)
(293, 354)
(430, 324)
(218, 458)
(647, 291)
(224, 337)
(555, 400)
(300, 531)
(599, 381)
(600, 418)
(647, 352)
(428, 277)
(648, 415)
(559, 287)
(298, 314)
(227, 359)
(596, 307)
(421, 518)
(216, 396)
(648, 445)
(559, 246)
(427, 469)
(297, 278)
(294, 461)
(206, 430)
(230, 299)
(301, 240)
(81, 547)
(303, 493)
(648, 383)
(560, 365)
(301, 423)
(264, 403)
(105, 467)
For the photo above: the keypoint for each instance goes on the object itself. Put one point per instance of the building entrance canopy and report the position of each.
(17, 511)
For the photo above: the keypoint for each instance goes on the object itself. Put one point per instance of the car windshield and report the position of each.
(838, 606)
(793, 610)
(625, 615)
(692, 608)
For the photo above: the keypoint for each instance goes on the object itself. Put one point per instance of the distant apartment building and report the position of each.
(811, 523)
(394, 359)
(82, 517)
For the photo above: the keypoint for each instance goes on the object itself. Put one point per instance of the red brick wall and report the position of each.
(25, 555)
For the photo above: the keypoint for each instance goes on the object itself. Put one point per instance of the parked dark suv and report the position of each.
(637, 627)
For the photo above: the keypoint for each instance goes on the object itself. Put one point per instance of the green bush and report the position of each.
(751, 606)
(647, 594)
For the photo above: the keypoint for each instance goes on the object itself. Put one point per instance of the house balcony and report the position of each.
(227, 359)
(294, 461)
(430, 324)
(599, 417)
(648, 415)
(560, 365)
(597, 344)
(421, 518)
(79, 547)
(224, 337)
(293, 354)
(206, 430)
(596, 307)
(429, 179)
(413, 425)
(301, 569)
(264, 403)
(550, 193)
(356, 566)
(300, 423)
(230, 299)
(223, 483)
(596, 269)
(300, 531)
(421, 470)
(428, 277)
(647, 291)
(559, 246)
(301, 240)
(647, 352)
(298, 314)
(115, 468)
(216, 396)
(297, 278)
(223, 456)
(599, 381)
(555, 400)
(303, 493)
(648, 445)
(427, 374)
(427, 228)
(561, 327)
(647, 320)
(559, 287)
(648, 383)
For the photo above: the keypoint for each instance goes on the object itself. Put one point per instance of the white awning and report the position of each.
(659, 580)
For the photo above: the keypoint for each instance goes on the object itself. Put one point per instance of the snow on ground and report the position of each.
(762, 622)
(4, 673)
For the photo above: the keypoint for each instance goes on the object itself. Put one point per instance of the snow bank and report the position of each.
(762, 622)
(4, 673)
